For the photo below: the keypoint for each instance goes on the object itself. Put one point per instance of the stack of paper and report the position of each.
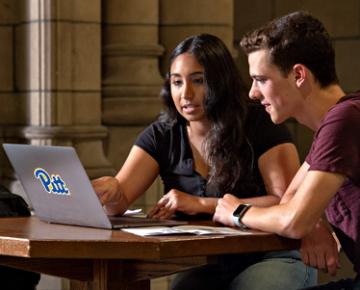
(183, 230)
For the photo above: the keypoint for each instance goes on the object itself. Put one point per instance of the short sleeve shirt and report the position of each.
(169, 146)
(336, 148)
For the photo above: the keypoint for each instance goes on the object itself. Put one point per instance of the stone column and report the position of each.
(12, 101)
(58, 75)
(131, 78)
(9, 103)
(179, 19)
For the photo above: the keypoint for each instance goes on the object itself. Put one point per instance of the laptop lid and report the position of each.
(57, 185)
(60, 191)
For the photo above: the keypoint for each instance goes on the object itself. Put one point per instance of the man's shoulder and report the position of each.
(347, 108)
(350, 101)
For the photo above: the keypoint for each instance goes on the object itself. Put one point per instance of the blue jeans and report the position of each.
(271, 271)
(343, 284)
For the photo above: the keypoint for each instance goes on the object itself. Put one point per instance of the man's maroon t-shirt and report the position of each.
(336, 148)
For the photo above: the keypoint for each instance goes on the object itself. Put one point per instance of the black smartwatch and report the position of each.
(239, 213)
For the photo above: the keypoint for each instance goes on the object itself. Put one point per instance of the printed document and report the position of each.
(184, 230)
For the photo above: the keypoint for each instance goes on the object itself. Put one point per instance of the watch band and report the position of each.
(239, 213)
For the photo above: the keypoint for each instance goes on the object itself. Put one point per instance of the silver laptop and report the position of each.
(60, 191)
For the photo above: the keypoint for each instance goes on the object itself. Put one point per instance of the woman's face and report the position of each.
(187, 87)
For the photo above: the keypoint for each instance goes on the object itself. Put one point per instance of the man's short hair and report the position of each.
(296, 38)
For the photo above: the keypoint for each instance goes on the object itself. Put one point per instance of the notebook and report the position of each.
(60, 191)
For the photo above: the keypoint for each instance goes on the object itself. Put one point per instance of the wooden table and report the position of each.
(99, 259)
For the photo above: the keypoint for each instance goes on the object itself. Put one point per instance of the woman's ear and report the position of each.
(301, 74)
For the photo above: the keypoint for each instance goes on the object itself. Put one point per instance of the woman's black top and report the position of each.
(168, 144)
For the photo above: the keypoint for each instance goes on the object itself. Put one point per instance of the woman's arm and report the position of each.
(176, 200)
(134, 178)
(277, 166)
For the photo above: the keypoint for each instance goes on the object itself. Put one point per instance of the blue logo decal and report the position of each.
(52, 184)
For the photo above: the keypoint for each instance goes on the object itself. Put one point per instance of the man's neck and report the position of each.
(317, 104)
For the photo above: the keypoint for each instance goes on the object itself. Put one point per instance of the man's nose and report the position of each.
(254, 92)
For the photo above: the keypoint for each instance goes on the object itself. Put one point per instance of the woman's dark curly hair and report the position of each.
(229, 154)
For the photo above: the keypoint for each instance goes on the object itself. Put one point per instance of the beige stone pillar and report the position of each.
(7, 103)
(12, 101)
(58, 76)
(131, 78)
(180, 19)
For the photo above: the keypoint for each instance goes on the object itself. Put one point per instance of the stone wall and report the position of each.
(51, 79)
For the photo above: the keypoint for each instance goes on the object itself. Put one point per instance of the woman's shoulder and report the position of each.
(160, 131)
(256, 114)
(254, 106)
(263, 134)
(163, 127)
(154, 138)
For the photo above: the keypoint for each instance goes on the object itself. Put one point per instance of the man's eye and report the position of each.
(260, 80)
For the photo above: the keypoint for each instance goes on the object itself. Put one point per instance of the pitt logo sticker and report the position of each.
(52, 184)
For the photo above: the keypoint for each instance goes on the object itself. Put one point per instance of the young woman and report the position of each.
(209, 142)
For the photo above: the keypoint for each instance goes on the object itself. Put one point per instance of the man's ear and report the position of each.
(301, 74)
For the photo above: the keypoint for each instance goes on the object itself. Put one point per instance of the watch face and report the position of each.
(239, 209)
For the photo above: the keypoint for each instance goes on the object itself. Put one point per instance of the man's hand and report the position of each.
(319, 249)
(225, 208)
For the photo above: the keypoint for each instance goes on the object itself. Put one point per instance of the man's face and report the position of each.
(278, 93)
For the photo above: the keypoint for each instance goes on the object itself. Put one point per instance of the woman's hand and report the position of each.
(173, 201)
(111, 197)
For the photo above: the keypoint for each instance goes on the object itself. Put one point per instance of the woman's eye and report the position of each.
(198, 81)
(176, 82)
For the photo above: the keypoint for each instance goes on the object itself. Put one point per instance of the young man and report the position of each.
(292, 64)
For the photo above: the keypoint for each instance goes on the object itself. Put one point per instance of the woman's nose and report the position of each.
(188, 91)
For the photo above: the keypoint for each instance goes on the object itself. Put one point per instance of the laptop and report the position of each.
(60, 191)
